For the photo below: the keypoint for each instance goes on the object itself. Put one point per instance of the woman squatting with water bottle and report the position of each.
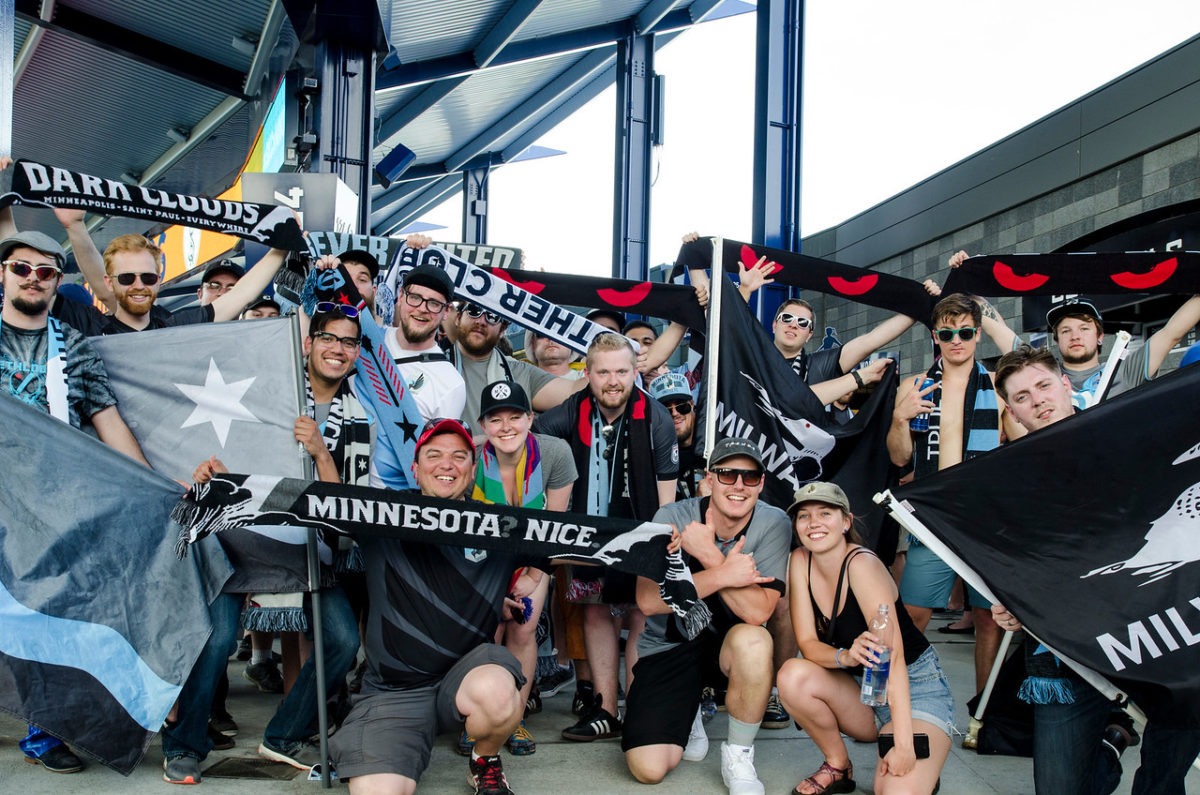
(834, 583)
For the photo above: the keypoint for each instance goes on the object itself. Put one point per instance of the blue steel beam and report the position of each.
(503, 31)
(634, 153)
(554, 92)
(475, 206)
(431, 196)
(651, 15)
(521, 51)
(407, 113)
(778, 81)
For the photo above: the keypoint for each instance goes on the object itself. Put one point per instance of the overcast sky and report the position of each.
(893, 93)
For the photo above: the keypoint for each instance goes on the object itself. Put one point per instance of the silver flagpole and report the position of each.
(712, 359)
(903, 514)
(1115, 357)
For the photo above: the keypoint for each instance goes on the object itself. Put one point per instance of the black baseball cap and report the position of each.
(729, 447)
(503, 395)
(266, 300)
(433, 277)
(224, 266)
(362, 257)
(611, 314)
(1076, 306)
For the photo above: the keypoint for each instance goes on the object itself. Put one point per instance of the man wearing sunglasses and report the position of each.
(49, 365)
(219, 278)
(964, 421)
(673, 391)
(480, 362)
(737, 550)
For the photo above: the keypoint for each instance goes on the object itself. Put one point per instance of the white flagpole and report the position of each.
(1115, 357)
(903, 514)
(712, 358)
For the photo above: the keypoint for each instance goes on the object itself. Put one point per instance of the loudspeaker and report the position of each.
(394, 163)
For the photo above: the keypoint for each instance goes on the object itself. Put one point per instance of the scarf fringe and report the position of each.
(274, 619)
(693, 622)
(1046, 690)
(350, 561)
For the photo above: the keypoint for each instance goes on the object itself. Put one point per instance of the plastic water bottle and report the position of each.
(875, 679)
(920, 423)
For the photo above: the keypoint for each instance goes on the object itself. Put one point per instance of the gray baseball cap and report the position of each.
(730, 447)
(828, 493)
(38, 241)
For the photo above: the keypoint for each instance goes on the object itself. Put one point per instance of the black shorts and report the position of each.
(662, 703)
(392, 731)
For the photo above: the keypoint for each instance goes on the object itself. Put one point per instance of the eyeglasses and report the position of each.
(947, 334)
(801, 321)
(349, 343)
(432, 304)
(727, 477)
(477, 311)
(682, 407)
(127, 279)
(21, 269)
(345, 310)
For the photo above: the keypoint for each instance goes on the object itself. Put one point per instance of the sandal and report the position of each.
(841, 780)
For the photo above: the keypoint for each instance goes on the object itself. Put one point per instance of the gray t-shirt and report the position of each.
(768, 536)
(23, 371)
(498, 367)
(1132, 372)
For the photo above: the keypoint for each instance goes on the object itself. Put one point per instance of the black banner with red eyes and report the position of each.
(668, 301)
(861, 285)
(1140, 272)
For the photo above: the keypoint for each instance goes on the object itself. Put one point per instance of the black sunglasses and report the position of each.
(727, 477)
(477, 311)
(682, 407)
(947, 334)
(799, 320)
(126, 279)
(21, 269)
(329, 306)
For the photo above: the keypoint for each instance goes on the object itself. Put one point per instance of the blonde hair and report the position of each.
(131, 244)
(610, 341)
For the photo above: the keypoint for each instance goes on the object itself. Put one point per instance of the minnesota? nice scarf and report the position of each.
(229, 501)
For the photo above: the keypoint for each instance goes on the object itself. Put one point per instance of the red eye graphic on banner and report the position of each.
(625, 298)
(1009, 279)
(531, 286)
(859, 286)
(1151, 278)
(750, 259)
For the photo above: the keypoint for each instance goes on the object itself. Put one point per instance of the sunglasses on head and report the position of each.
(472, 310)
(947, 334)
(435, 421)
(801, 321)
(344, 309)
(21, 269)
(125, 280)
(727, 477)
(680, 407)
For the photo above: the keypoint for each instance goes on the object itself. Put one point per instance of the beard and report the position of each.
(31, 307)
(412, 335)
(1082, 358)
(137, 310)
(469, 343)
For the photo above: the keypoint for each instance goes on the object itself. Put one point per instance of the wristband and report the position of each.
(837, 658)
(857, 378)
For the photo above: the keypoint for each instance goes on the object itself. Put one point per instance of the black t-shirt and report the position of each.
(162, 318)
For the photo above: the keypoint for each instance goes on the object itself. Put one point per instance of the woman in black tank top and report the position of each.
(833, 582)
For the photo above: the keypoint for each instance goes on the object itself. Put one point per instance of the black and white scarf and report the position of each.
(981, 421)
(230, 501)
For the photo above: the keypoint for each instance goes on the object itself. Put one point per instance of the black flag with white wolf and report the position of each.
(1089, 532)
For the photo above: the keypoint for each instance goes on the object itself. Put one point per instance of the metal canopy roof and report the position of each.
(172, 92)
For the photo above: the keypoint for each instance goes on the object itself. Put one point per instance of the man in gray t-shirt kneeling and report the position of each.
(737, 550)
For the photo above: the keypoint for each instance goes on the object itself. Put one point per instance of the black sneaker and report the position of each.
(776, 716)
(533, 704)
(58, 759)
(244, 651)
(1120, 718)
(563, 677)
(181, 770)
(265, 676)
(224, 723)
(486, 775)
(585, 697)
(599, 724)
(221, 742)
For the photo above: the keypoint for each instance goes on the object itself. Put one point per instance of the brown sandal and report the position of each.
(841, 780)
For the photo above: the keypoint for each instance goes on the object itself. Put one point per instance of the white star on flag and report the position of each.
(217, 402)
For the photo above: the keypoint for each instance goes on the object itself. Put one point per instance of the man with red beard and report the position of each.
(477, 332)
(50, 366)
(625, 452)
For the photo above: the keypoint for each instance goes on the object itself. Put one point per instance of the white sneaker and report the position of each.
(737, 770)
(697, 745)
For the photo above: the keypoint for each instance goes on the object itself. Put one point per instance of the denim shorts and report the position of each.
(929, 692)
(928, 580)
